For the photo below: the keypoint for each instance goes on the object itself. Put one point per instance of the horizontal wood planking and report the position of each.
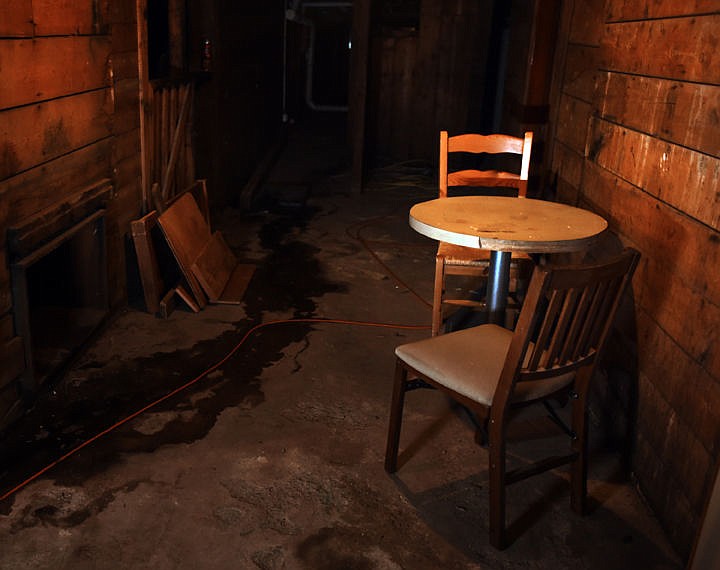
(68, 17)
(680, 379)
(685, 179)
(587, 22)
(685, 459)
(648, 9)
(573, 122)
(37, 133)
(672, 49)
(38, 188)
(47, 68)
(568, 164)
(689, 250)
(581, 74)
(673, 305)
(684, 113)
(16, 18)
(664, 493)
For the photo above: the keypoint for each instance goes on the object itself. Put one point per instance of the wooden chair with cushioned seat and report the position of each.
(552, 353)
(458, 260)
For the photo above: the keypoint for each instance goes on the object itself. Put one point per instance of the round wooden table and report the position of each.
(504, 225)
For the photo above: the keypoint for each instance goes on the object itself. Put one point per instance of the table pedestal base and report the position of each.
(498, 286)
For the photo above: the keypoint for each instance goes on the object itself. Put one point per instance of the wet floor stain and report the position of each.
(68, 414)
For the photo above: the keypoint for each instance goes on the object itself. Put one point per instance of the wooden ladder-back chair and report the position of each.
(458, 260)
(553, 352)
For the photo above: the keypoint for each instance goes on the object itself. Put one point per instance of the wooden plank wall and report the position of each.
(425, 80)
(68, 118)
(637, 139)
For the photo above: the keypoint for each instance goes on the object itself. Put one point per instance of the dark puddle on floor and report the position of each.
(67, 414)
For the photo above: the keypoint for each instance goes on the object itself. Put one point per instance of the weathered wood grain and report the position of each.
(16, 18)
(581, 73)
(686, 179)
(66, 17)
(37, 133)
(46, 68)
(672, 304)
(37, 188)
(673, 49)
(679, 378)
(619, 10)
(689, 250)
(684, 459)
(683, 113)
(664, 494)
(568, 165)
(573, 123)
(587, 22)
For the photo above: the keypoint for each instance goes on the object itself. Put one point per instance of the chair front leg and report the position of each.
(496, 458)
(396, 412)
(438, 292)
(579, 466)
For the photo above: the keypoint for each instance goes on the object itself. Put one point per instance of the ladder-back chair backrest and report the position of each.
(488, 144)
(565, 320)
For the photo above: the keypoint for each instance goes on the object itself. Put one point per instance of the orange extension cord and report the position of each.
(358, 228)
(196, 379)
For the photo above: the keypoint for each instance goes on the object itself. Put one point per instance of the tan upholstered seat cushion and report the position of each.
(470, 362)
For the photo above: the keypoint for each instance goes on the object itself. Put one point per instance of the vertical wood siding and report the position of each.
(637, 139)
(426, 80)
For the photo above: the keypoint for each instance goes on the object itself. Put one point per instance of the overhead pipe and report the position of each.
(292, 14)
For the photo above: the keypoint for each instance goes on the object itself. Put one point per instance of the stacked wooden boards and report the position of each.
(207, 263)
(208, 270)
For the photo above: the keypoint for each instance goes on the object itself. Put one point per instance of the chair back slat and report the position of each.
(484, 144)
(587, 326)
(566, 318)
(545, 332)
(563, 324)
(579, 317)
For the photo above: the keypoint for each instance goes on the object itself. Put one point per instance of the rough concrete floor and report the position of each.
(273, 460)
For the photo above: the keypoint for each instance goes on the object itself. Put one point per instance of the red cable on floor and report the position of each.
(196, 379)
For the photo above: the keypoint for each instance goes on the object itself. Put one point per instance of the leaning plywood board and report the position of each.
(150, 277)
(187, 232)
(217, 270)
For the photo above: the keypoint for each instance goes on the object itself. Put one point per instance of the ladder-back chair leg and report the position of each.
(396, 412)
(438, 292)
(496, 456)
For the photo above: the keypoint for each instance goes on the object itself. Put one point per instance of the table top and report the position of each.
(507, 224)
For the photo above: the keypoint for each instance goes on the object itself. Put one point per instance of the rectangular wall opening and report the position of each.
(60, 297)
